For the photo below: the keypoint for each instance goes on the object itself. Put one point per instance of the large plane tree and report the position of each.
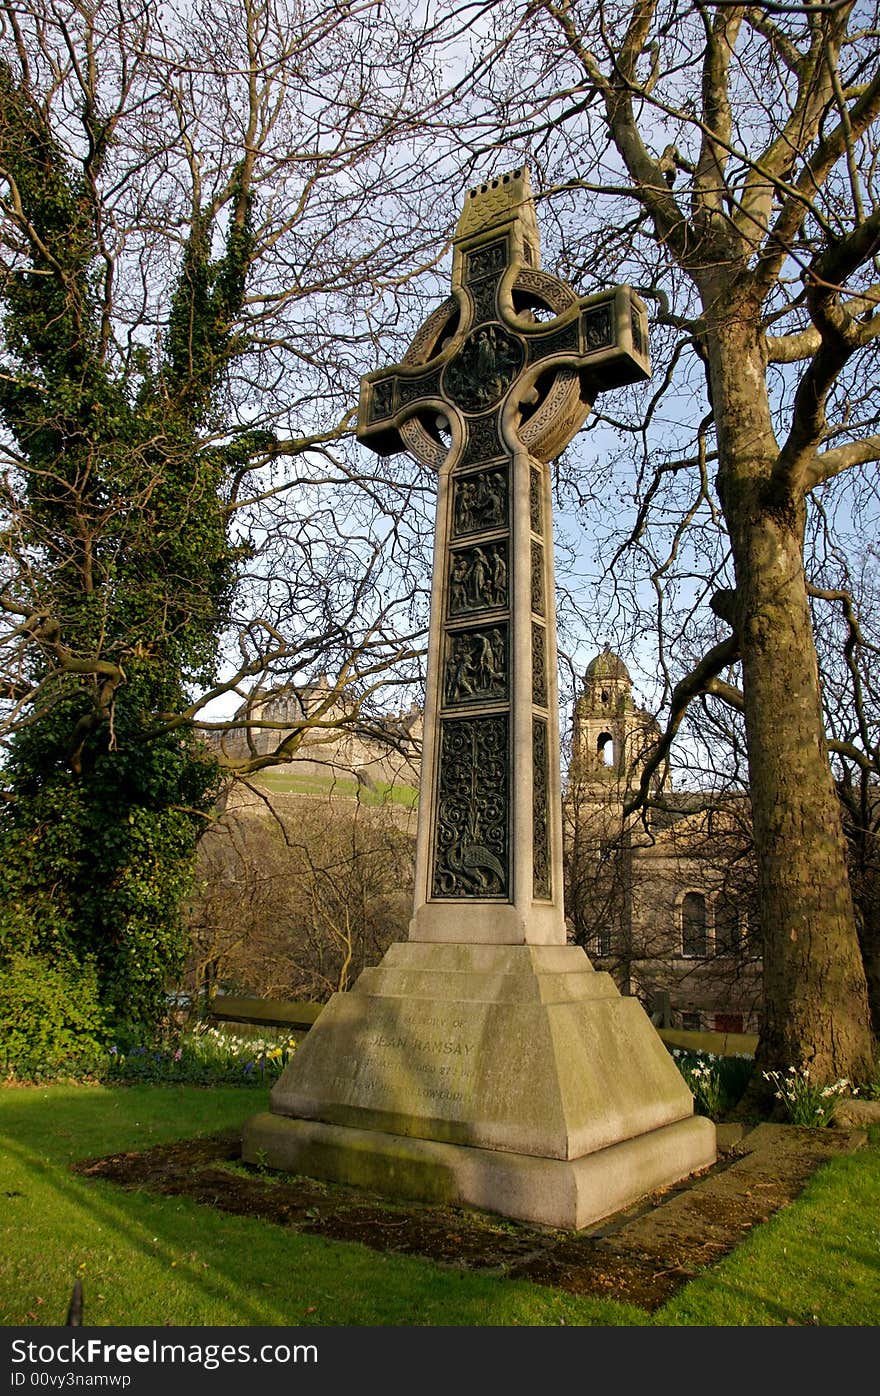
(723, 158)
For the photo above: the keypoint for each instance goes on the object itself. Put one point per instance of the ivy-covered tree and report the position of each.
(125, 544)
(722, 158)
(188, 203)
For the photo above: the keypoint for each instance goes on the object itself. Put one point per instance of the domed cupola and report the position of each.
(607, 685)
(609, 731)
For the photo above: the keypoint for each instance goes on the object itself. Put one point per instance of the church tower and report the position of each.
(609, 733)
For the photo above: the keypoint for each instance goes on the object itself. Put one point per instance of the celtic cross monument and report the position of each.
(483, 1060)
(490, 390)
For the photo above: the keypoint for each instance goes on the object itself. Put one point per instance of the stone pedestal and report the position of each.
(512, 1078)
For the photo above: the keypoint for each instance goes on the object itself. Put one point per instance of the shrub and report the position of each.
(716, 1083)
(51, 1019)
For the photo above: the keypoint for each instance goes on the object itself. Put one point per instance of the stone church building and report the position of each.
(663, 900)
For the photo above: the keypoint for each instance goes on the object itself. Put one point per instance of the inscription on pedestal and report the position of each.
(429, 1066)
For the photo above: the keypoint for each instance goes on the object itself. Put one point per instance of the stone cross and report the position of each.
(484, 1061)
(495, 384)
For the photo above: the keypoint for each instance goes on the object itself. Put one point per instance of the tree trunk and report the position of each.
(869, 940)
(815, 1011)
(864, 875)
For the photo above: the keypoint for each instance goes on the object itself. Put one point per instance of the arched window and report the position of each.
(693, 925)
(605, 749)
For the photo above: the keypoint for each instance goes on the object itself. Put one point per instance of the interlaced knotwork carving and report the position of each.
(471, 843)
(546, 289)
(482, 294)
(536, 512)
(565, 341)
(429, 337)
(539, 665)
(537, 579)
(541, 434)
(422, 445)
(416, 389)
(483, 441)
(540, 793)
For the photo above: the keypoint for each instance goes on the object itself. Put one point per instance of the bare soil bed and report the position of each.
(641, 1256)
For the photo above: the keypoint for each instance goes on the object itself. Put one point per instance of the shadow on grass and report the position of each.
(152, 1261)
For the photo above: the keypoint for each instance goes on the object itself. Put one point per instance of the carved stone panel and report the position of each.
(416, 389)
(483, 443)
(483, 298)
(489, 260)
(471, 832)
(483, 369)
(479, 502)
(539, 665)
(382, 400)
(546, 289)
(540, 795)
(638, 338)
(536, 512)
(478, 578)
(598, 327)
(476, 666)
(564, 341)
(537, 578)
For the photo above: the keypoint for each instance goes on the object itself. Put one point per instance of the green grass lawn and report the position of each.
(148, 1261)
(282, 780)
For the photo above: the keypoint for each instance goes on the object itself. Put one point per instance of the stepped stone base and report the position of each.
(512, 1078)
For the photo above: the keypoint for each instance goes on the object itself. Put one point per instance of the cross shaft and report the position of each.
(487, 394)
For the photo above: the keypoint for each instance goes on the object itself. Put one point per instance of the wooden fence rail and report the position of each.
(267, 1013)
(299, 1017)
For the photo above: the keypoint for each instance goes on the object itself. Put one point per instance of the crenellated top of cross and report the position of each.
(513, 357)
